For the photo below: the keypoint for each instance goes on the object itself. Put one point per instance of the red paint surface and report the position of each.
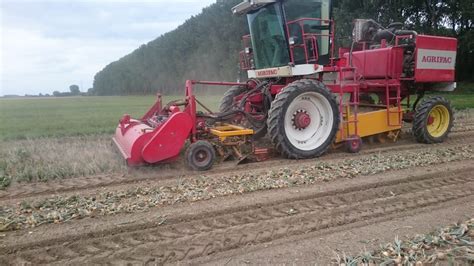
(377, 63)
(435, 43)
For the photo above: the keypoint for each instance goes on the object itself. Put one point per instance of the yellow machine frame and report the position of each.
(227, 130)
(371, 123)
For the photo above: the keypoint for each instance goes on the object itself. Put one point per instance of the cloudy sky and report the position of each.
(47, 45)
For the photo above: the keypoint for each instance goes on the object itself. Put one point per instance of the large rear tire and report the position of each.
(433, 120)
(227, 101)
(227, 104)
(303, 119)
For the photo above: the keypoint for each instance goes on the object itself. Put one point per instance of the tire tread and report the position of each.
(420, 131)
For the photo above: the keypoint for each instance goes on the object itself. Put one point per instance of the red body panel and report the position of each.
(435, 59)
(168, 139)
(131, 141)
(378, 63)
(140, 143)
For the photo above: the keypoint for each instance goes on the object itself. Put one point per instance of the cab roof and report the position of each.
(250, 5)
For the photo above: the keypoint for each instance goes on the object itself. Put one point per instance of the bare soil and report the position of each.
(301, 224)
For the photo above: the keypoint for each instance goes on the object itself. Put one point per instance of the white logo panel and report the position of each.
(436, 59)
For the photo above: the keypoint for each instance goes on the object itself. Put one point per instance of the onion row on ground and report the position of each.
(59, 209)
(453, 245)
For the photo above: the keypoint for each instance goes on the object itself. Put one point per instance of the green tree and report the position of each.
(91, 92)
(206, 46)
(74, 90)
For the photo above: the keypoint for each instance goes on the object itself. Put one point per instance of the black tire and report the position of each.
(354, 145)
(276, 119)
(227, 101)
(200, 155)
(421, 120)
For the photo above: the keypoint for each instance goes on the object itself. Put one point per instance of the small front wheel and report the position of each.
(200, 155)
(353, 144)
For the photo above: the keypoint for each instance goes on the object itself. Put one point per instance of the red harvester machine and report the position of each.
(302, 94)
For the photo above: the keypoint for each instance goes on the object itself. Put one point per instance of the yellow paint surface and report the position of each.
(371, 123)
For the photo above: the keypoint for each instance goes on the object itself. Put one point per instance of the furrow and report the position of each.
(233, 237)
(219, 231)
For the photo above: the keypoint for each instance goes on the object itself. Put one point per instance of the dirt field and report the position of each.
(275, 212)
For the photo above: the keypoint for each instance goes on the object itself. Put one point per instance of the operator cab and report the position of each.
(288, 37)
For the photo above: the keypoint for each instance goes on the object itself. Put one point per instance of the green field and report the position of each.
(461, 101)
(22, 118)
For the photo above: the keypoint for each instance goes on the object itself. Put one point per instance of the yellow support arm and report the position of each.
(228, 130)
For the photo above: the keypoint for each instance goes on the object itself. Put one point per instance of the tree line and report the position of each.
(206, 46)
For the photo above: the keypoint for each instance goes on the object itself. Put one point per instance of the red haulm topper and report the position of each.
(157, 137)
(161, 133)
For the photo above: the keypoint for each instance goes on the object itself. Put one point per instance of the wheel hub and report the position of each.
(354, 143)
(301, 120)
(430, 120)
(201, 156)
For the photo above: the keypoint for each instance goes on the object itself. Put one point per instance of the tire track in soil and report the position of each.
(23, 191)
(185, 238)
(466, 129)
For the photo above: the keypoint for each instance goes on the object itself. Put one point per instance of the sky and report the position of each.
(48, 45)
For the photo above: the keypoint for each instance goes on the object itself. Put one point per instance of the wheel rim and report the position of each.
(354, 144)
(201, 157)
(316, 112)
(438, 121)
